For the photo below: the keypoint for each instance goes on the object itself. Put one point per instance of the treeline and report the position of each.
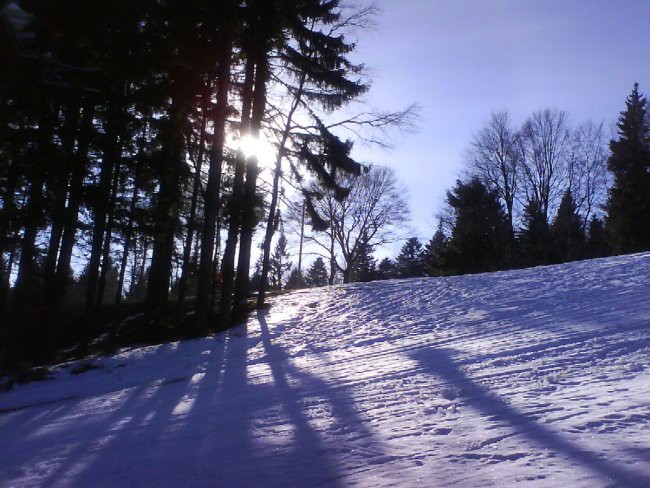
(122, 157)
(545, 193)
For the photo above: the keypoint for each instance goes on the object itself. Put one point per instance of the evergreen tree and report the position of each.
(280, 263)
(296, 280)
(628, 219)
(317, 274)
(115, 146)
(534, 238)
(411, 259)
(387, 269)
(567, 231)
(597, 246)
(363, 264)
(435, 252)
(479, 238)
(273, 25)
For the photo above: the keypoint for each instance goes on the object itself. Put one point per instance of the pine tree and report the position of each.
(534, 238)
(628, 219)
(567, 231)
(95, 162)
(319, 79)
(410, 260)
(479, 238)
(296, 280)
(280, 263)
(597, 246)
(364, 264)
(435, 252)
(322, 57)
(317, 274)
(387, 269)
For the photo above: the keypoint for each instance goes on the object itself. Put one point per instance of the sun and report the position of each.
(260, 147)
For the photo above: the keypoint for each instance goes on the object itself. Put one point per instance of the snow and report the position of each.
(534, 377)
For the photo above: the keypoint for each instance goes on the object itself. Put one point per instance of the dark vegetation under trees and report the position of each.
(120, 169)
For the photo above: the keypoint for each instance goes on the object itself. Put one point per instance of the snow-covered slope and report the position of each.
(537, 377)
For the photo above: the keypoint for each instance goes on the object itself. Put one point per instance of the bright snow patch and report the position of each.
(537, 377)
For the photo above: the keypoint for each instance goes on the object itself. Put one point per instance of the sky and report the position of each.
(461, 60)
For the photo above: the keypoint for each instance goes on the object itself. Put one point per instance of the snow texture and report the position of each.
(535, 377)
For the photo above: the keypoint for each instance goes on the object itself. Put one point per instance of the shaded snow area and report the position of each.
(538, 377)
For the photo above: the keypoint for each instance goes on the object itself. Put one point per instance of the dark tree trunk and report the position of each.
(5, 284)
(7, 237)
(191, 220)
(270, 223)
(242, 285)
(211, 205)
(55, 293)
(137, 291)
(332, 260)
(124, 262)
(108, 237)
(23, 319)
(79, 170)
(215, 263)
(111, 153)
(60, 182)
(167, 207)
(229, 253)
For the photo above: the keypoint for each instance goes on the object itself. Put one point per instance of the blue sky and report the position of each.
(463, 59)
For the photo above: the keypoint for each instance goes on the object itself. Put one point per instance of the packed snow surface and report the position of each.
(538, 377)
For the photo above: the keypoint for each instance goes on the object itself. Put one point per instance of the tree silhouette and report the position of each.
(410, 261)
(317, 274)
(628, 219)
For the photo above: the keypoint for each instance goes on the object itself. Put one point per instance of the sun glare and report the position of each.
(260, 147)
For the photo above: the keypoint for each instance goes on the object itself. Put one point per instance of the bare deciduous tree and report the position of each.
(588, 176)
(494, 157)
(374, 208)
(547, 144)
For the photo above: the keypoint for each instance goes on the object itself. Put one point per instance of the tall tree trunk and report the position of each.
(168, 202)
(347, 274)
(55, 286)
(22, 317)
(6, 283)
(7, 243)
(191, 221)
(302, 238)
(128, 233)
(211, 204)
(139, 293)
(79, 170)
(108, 237)
(111, 154)
(229, 254)
(215, 263)
(270, 222)
(242, 285)
(332, 259)
(61, 182)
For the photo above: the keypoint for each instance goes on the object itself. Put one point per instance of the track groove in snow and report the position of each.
(535, 377)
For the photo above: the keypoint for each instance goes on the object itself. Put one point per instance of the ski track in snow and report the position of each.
(534, 377)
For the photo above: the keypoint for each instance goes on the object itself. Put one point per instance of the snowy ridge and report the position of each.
(536, 377)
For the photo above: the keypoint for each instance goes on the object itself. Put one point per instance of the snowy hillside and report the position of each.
(538, 377)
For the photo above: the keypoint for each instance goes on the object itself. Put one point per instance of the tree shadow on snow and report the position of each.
(222, 421)
(69, 441)
(132, 443)
(441, 363)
